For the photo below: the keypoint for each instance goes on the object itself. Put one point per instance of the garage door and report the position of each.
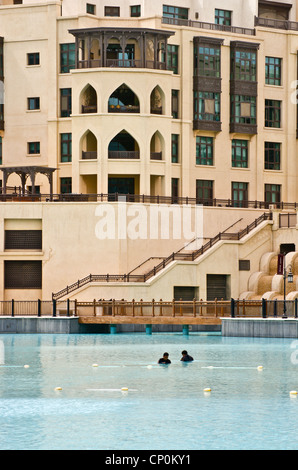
(216, 287)
(184, 293)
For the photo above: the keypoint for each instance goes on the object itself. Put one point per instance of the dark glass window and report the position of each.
(33, 148)
(33, 58)
(206, 106)
(204, 151)
(173, 58)
(207, 61)
(223, 17)
(135, 11)
(175, 104)
(175, 12)
(66, 147)
(65, 102)
(272, 113)
(243, 109)
(65, 185)
(244, 65)
(239, 194)
(90, 8)
(272, 193)
(112, 11)
(67, 57)
(239, 153)
(175, 189)
(273, 71)
(33, 104)
(175, 148)
(272, 155)
(204, 192)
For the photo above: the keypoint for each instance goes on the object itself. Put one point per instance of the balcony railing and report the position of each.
(89, 109)
(122, 63)
(124, 109)
(124, 154)
(89, 155)
(156, 156)
(209, 26)
(277, 24)
(156, 110)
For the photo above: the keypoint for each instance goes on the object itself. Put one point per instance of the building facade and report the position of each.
(193, 99)
(196, 100)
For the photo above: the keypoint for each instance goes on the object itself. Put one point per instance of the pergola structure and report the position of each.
(24, 172)
(92, 47)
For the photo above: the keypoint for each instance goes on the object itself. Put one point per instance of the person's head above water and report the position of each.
(184, 353)
(166, 354)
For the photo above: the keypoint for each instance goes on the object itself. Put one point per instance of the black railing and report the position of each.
(15, 194)
(217, 309)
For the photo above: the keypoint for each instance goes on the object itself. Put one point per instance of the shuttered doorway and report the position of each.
(184, 293)
(216, 287)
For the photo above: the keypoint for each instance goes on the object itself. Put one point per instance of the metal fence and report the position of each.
(169, 309)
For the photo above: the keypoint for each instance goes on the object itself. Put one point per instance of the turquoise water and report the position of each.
(165, 407)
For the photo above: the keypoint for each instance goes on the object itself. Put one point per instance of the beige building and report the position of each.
(193, 102)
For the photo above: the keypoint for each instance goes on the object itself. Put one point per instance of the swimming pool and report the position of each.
(165, 407)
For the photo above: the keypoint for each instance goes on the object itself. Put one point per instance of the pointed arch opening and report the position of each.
(156, 146)
(123, 100)
(89, 146)
(124, 146)
(88, 100)
(157, 101)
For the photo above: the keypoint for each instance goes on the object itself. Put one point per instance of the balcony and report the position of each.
(209, 26)
(277, 24)
(156, 156)
(121, 48)
(124, 154)
(124, 109)
(89, 155)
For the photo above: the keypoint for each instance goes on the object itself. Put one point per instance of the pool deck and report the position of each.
(260, 327)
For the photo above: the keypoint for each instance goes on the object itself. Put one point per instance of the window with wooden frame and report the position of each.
(239, 153)
(112, 11)
(272, 155)
(273, 113)
(204, 150)
(273, 71)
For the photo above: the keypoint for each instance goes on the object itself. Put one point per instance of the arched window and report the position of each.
(89, 146)
(88, 100)
(123, 100)
(157, 101)
(123, 145)
(156, 146)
